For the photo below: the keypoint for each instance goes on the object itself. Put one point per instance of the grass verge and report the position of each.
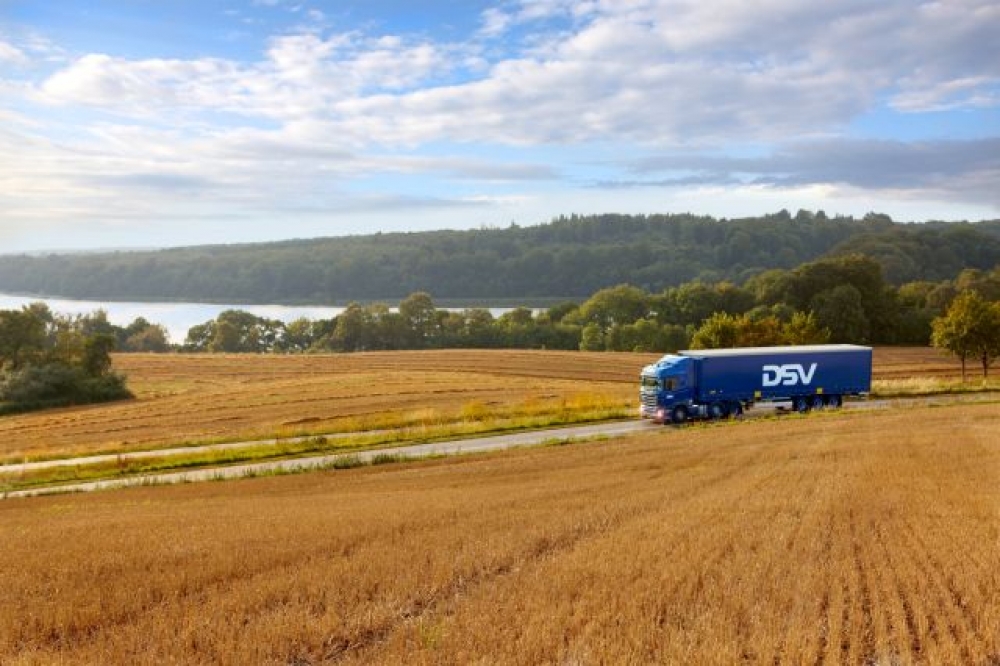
(915, 387)
(425, 428)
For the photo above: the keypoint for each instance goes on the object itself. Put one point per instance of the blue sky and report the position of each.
(146, 123)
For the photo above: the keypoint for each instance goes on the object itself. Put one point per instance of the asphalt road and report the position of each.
(495, 443)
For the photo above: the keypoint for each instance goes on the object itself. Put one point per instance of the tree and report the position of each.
(297, 335)
(95, 323)
(518, 328)
(241, 331)
(478, 329)
(644, 335)
(200, 336)
(841, 311)
(719, 331)
(592, 338)
(227, 337)
(353, 330)
(970, 327)
(760, 331)
(623, 304)
(420, 316)
(804, 329)
(988, 342)
(22, 337)
(152, 338)
(142, 336)
(97, 354)
(559, 311)
(815, 288)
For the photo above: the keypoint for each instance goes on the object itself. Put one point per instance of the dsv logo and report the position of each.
(787, 375)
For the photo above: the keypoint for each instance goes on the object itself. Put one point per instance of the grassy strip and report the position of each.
(341, 462)
(916, 387)
(130, 467)
(345, 461)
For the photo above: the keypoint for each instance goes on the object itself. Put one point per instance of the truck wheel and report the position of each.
(818, 402)
(834, 401)
(718, 410)
(800, 404)
(679, 414)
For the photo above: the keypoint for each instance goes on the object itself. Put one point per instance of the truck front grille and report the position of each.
(648, 402)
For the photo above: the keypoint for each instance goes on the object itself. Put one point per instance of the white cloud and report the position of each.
(137, 87)
(660, 72)
(12, 55)
(976, 91)
(315, 113)
(494, 22)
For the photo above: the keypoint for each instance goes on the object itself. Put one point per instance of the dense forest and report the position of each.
(570, 257)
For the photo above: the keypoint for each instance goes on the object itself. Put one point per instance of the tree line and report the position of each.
(49, 360)
(843, 299)
(569, 257)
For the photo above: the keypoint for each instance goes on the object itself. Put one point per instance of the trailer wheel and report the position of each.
(818, 402)
(718, 410)
(834, 401)
(736, 410)
(679, 414)
(800, 404)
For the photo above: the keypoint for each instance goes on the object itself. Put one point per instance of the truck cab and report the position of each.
(665, 385)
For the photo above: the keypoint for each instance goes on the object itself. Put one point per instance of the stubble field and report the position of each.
(191, 398)
(201, 398)
(859, 538)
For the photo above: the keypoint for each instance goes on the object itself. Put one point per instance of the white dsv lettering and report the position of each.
(787, 375)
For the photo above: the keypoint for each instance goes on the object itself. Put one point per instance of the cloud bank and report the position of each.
(544, 96)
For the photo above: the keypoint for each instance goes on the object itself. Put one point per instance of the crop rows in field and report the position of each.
(907, 362)
(856, 538)
(230, 397)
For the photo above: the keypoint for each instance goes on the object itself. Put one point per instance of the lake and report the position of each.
(176, 317)
(179, 317)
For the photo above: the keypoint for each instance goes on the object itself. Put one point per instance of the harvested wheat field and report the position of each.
(201, 398)
(859, 538)
(217, 397)
(923, 362)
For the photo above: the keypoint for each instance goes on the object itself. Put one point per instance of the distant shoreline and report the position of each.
(447, 303)
(179, 316)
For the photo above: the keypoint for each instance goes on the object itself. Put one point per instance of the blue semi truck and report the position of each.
(720, 383)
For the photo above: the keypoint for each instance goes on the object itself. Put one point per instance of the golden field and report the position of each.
(201, 398)
(219, 397)
(856, 537)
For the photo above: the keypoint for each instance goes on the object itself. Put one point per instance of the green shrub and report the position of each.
(53, 384)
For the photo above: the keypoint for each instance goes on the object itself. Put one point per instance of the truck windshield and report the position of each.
(650, 382)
